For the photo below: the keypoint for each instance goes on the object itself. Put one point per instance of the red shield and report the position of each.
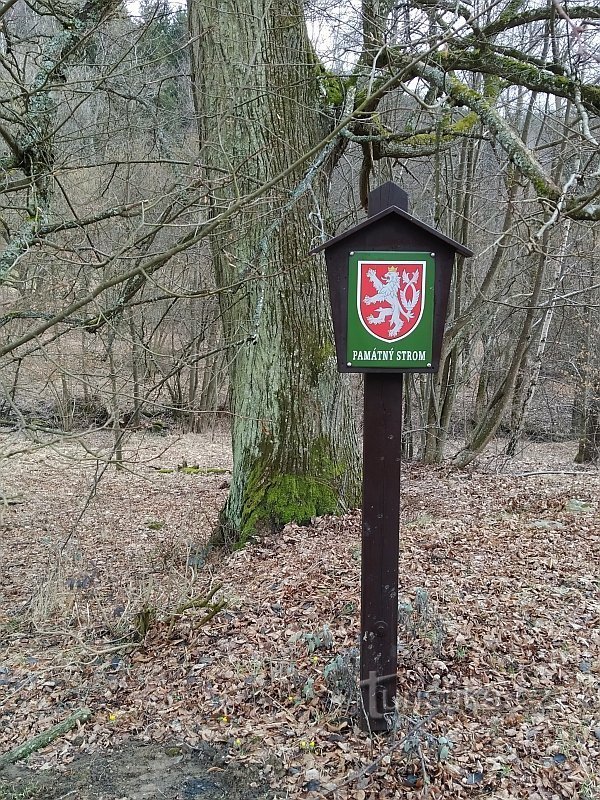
(390, 297)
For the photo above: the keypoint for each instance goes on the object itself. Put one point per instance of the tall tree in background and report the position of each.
(257, 96)
(95, 113)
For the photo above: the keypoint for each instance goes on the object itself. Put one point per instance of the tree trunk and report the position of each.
(443, 388)
(408, 437)
(589, 444)
(450, 390)
(114, 409)
(588, 391)
(487, 426)
(135, 371)
(212, 380)
(295, 449)
(530, 383)
(482, 393)
(582, 366)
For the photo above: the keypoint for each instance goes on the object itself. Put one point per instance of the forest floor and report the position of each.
(499, 656)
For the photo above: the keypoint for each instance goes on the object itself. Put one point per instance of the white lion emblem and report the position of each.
(390, 291)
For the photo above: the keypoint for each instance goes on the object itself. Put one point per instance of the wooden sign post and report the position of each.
(382, 434)
(389, 282)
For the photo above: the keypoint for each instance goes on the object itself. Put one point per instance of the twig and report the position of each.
(214, 610)
(550, 472)
(11, 501)
(43, 739)
(424, 772)
(197, 602)
(108, 650)
(92, 493)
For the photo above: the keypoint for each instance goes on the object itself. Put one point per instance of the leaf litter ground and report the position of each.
(499, 655)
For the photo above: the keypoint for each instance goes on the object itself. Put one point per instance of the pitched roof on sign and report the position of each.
(406, 217)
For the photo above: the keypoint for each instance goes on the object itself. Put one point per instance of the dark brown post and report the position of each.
(380, 526)
(380, 545)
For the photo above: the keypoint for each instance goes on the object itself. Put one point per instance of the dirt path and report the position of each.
(140, 772)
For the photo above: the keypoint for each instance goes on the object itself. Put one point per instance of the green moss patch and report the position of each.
(288, 498)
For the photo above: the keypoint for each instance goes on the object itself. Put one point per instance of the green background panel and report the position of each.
(419, 339)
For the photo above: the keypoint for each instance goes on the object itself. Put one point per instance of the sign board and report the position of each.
(389, 283)
(391, 298)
